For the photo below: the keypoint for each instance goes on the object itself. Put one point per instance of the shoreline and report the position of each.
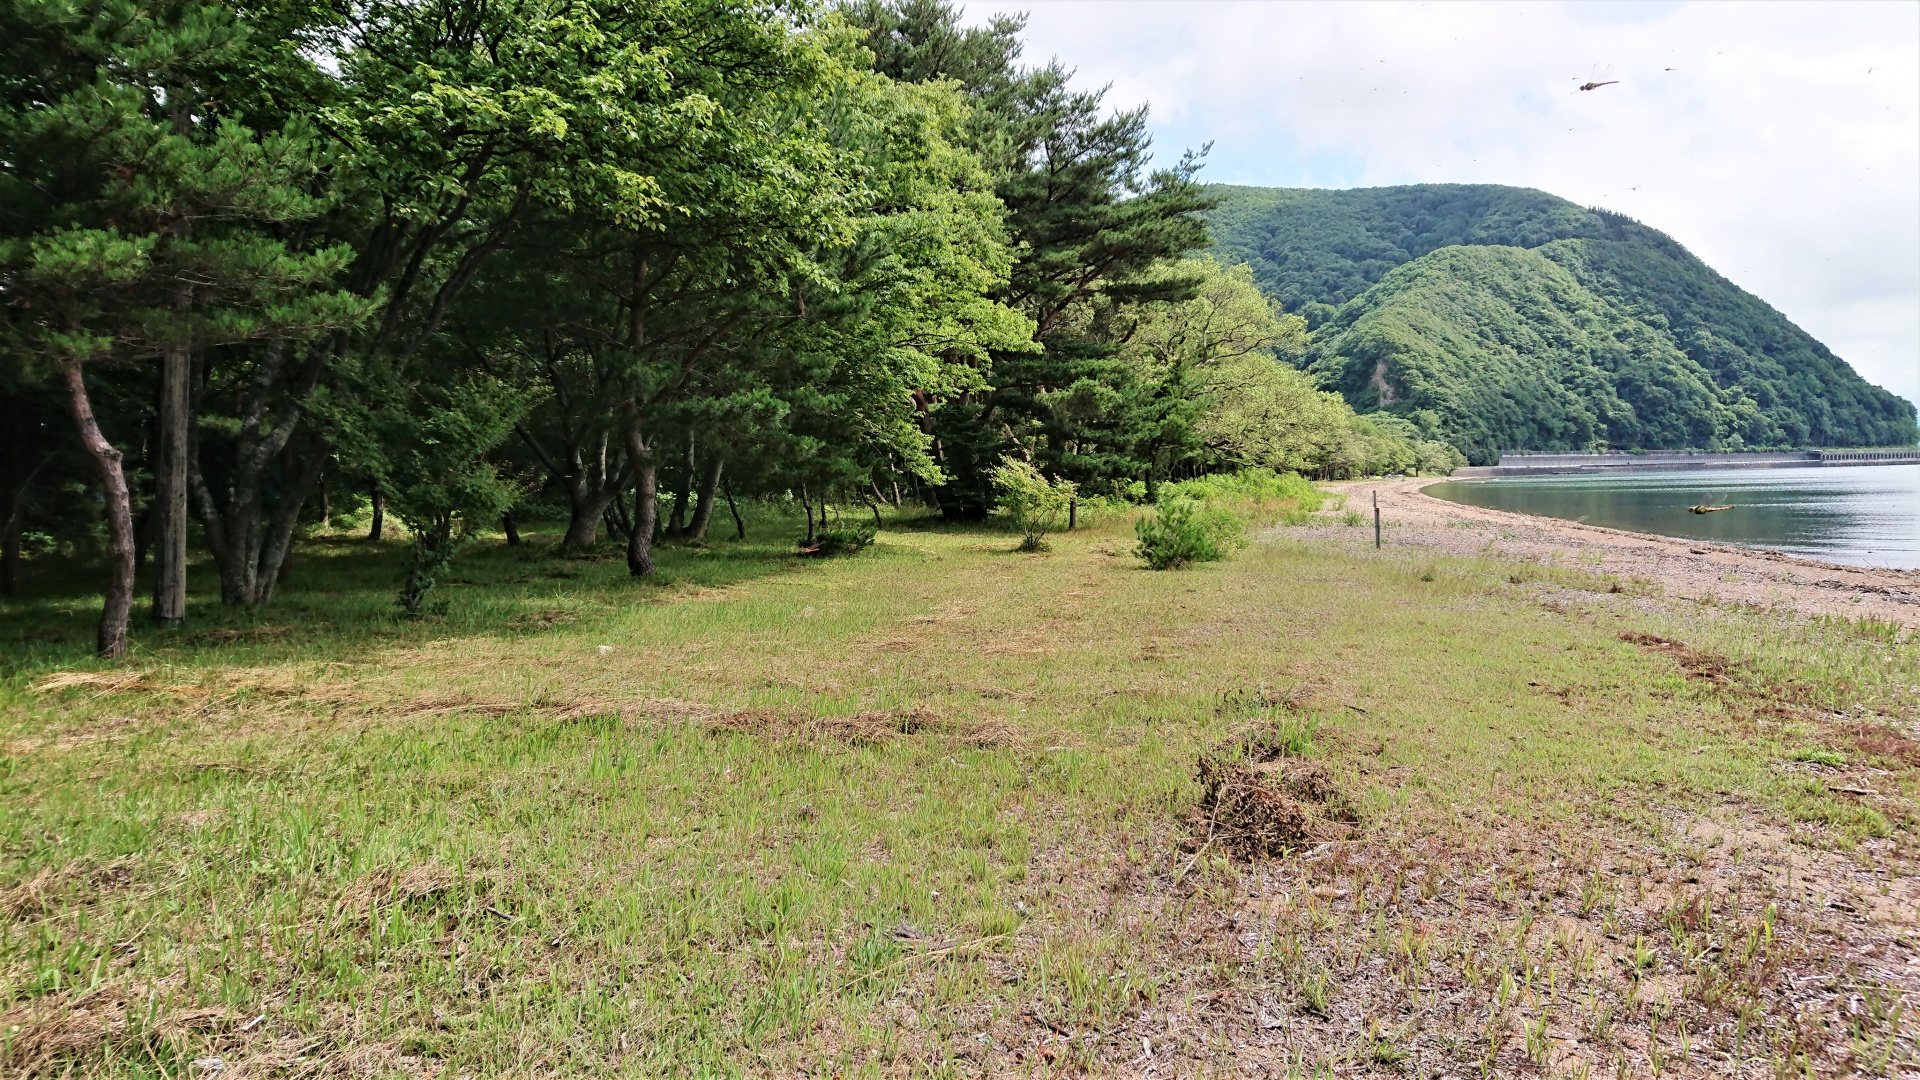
(1677, 461)
(1686, 569)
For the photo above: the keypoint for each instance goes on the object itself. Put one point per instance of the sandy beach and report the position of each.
(1682, 568)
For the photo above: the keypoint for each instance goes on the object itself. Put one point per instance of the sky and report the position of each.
(1780, 142)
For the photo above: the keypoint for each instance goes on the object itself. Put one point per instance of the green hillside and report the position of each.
(1506, 318)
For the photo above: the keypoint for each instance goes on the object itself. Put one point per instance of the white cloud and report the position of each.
(1780, 142)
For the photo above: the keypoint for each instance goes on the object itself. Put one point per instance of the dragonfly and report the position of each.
(1599, 78)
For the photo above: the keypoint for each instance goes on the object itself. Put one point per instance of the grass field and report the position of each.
(932, 810)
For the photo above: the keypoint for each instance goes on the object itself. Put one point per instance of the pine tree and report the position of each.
(136, 229)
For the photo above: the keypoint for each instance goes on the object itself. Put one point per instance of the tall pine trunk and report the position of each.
(682, 488)
(646, 500)
(170, 492)
(10, 530)
(250, 519)
(10, 542)
(703, 508)
(111, 641)
(739, 523)
(379, 513)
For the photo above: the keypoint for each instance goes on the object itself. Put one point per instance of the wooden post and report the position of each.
(1376, 520)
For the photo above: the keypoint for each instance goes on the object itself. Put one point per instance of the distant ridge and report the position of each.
(1501, 319)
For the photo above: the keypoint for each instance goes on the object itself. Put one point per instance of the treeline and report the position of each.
(613, 261)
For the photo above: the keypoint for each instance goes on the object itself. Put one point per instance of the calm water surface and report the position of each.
(1863, 515)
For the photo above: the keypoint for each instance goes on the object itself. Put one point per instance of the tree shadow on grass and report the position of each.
(337, 601)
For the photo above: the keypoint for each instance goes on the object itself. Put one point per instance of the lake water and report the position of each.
(1861, 515)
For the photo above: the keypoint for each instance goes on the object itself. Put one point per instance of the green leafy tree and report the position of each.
(1179, 349)
(816, 267)
(1034, 504)
(907, 318)
(428, 445)
(1092, 222)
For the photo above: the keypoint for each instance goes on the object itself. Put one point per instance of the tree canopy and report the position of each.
(607, 261)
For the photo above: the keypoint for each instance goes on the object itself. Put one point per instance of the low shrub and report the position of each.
(839, 538)
(1252, 485)
(1181, 531)
(1035, 504)
(1094, 510)
(1260, 495)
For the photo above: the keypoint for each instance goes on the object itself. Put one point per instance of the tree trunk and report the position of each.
(267, 478)
(618, 519)
(586, 506)
(379, 514)
(583, 526)
(703, 509)
(807, 506)
(111, 641)
(739, 524)
(511, 528)
(646, 501)
(646, 515)
(591, 491)
(170, 493)
(682, 489)
(10, 554)
(299, 471)
(10, 532)
(326, 505)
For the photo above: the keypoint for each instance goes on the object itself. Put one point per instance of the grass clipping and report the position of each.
(1260, 799)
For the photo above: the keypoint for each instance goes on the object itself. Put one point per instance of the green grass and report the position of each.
(922, 810)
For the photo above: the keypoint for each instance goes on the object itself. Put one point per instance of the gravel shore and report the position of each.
(1683, 568)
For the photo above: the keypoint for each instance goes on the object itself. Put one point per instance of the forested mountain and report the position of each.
(1505, 318)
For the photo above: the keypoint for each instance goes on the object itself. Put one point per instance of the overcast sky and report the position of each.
(1779, 142)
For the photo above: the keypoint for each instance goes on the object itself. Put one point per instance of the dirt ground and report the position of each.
(1686, 569)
